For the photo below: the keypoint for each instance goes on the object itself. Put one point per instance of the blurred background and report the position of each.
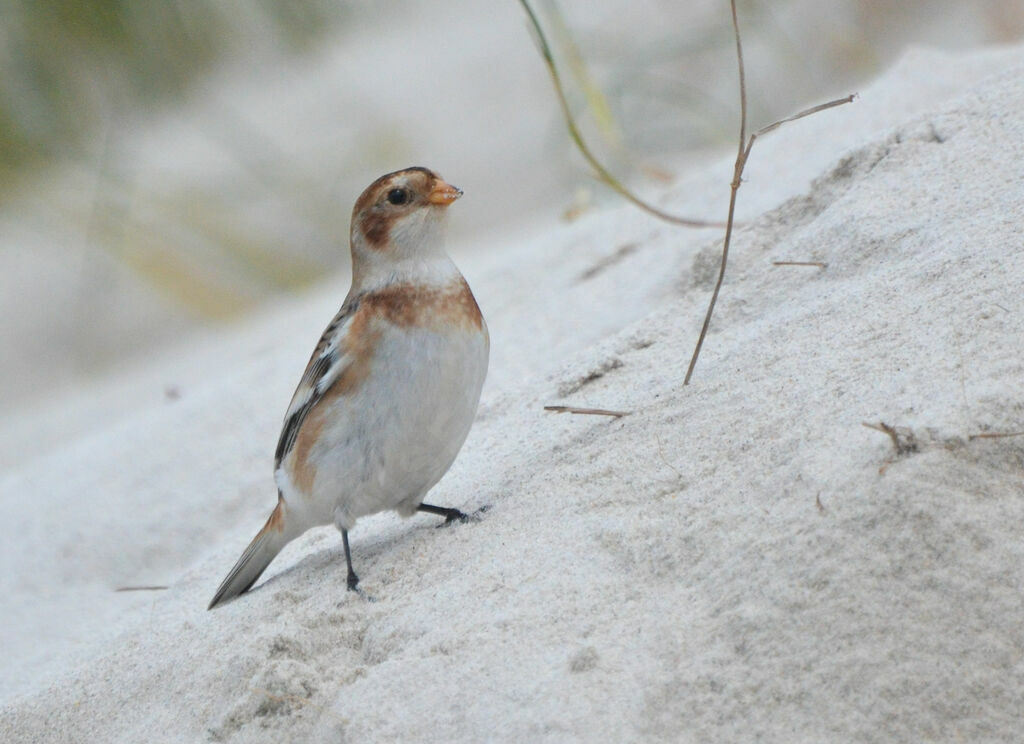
(170, 166)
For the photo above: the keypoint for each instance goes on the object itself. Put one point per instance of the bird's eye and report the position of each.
(398, 196)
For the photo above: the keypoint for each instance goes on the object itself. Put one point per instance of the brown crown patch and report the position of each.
(372, 194)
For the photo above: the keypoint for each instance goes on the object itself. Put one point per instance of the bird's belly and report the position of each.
(387, 444)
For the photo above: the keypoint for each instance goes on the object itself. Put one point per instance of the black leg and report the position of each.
(450, 515)
(353, 580)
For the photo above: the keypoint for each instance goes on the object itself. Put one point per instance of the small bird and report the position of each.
(392, 387)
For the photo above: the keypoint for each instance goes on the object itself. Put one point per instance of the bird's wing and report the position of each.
(326, 365)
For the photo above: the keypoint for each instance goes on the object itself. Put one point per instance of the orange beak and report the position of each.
(443, 193)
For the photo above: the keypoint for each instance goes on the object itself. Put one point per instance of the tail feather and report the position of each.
(268, 542)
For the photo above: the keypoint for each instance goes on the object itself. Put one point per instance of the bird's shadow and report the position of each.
(382, 535)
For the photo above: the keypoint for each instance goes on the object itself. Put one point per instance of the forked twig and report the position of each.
(903, 442)
(742, 154)
(577, 136)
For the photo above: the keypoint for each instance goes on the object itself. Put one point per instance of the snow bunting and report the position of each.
(390, 392)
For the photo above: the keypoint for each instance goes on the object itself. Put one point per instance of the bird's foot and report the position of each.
(353, 586)
(454, 516)
(462, 517)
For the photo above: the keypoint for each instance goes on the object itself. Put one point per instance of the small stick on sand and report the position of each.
(996, 435)
(664, 459)
(819, 264)
(904, 444)
(586, 411)
(141, 588)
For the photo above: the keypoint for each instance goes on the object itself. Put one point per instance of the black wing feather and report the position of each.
(291, 431)
(321, 364)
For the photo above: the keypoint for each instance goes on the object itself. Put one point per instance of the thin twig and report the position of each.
(586, 411)
(819, 264)
(885, 429)
(904, 444)
(577, 136)
(996, 435)
(734, 187)
(742, 154)
(743, 89)
(664, 459)
(745, 145)
(805, 112)
(596, 100)
(141, 588)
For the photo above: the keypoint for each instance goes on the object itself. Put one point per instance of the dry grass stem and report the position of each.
(819, 264)
(602, 172)
(802, 114)
(661, 453)
(743, 152)
(996, 435)
(904, 442)
(586, 411)
(141, 588)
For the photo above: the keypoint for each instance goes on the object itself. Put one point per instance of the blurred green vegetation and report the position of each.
(66, 64)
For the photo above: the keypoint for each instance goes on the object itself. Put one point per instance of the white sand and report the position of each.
(737, 560)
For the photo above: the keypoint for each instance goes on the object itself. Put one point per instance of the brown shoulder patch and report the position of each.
(464, 305)
(400, 304)
(438, 308)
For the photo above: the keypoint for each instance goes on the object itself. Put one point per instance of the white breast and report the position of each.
(387, 444)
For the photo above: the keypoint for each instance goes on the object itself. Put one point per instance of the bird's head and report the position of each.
(399, 220)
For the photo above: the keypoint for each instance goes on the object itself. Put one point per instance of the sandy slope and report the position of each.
(738, 560)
